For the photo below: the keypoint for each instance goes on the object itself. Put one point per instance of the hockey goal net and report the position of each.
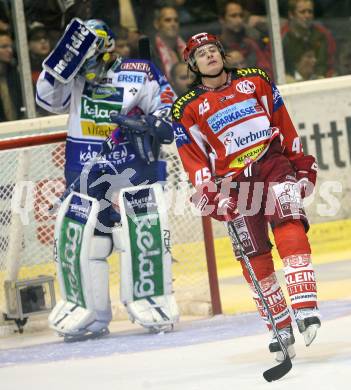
(32, 177)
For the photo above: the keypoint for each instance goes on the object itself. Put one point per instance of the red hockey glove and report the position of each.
(214, 201)
(306, 173)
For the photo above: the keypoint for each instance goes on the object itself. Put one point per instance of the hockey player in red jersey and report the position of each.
(242, 153)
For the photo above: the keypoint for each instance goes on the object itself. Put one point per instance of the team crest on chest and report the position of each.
(246, 87)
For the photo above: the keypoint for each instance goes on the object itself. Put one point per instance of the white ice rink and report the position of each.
(224, 352)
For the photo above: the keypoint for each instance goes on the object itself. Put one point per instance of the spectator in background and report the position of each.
(234, 59)
(235, 35)
(168, 45)
(304, 67)
(4, 25)
(131, 14)
(10, 87)
(302, 31)
(344, 60)
(134, 15)
(257, 19)
(5, 17)
(127, 12)
(180, 78)
(55, 14)
(39, 48)
(122, 46)
(194, 11)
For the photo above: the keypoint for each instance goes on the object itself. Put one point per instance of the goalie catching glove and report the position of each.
(146, 133)
(306, 173)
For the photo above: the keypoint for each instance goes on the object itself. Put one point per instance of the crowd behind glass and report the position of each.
(315, 36)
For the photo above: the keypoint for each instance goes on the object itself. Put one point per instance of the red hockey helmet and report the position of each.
(195, 42)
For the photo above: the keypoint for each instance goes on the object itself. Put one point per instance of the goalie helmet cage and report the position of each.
(32, 177)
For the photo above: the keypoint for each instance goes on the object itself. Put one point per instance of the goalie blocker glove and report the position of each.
(146, 133)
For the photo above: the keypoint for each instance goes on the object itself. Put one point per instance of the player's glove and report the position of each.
(65, 61)
(115, 138)
(213, 201)
(306, 173)
(146, 133)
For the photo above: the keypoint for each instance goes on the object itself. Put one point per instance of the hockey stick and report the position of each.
(284, 367)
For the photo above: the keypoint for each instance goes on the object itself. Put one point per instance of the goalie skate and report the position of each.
(85, 336)
(308, 322)
(288, 339)
(154, 313)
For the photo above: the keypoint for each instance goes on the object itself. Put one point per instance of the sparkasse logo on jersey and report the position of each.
(233, 113)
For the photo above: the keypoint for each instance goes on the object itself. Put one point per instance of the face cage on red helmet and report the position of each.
(197, 41)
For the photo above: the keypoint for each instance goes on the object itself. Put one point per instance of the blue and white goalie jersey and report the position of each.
(131, 87)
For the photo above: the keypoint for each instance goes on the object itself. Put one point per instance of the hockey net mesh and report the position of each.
(32, 177)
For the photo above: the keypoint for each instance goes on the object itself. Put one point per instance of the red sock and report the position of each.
(264, 270)
(294, 249)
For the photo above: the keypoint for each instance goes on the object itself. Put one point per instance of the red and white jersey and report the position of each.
(220, 132)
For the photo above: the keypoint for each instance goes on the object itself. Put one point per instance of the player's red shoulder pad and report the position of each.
(183, 100)
(251, 72)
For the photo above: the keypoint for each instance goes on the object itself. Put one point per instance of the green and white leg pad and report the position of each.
(144, 241)
(82, 270)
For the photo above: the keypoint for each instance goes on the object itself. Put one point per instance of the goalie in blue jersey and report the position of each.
(126, 102)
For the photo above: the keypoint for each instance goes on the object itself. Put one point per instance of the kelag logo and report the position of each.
(146, 252)
(232, 114)
(69, 249)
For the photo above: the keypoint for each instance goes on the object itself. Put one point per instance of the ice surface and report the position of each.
(224, 352)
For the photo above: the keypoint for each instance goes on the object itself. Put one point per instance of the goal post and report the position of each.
(32, 177)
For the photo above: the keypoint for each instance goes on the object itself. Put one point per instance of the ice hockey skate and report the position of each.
(85, 336)
(288, 339)
(308, 322)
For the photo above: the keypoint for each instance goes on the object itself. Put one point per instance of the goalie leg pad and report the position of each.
(82, 269)
(146, 277)
(156, 314)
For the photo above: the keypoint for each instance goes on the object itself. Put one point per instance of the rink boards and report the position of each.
(329, 242)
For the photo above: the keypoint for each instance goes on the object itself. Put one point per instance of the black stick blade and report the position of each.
(144, 48)
(278, 371)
